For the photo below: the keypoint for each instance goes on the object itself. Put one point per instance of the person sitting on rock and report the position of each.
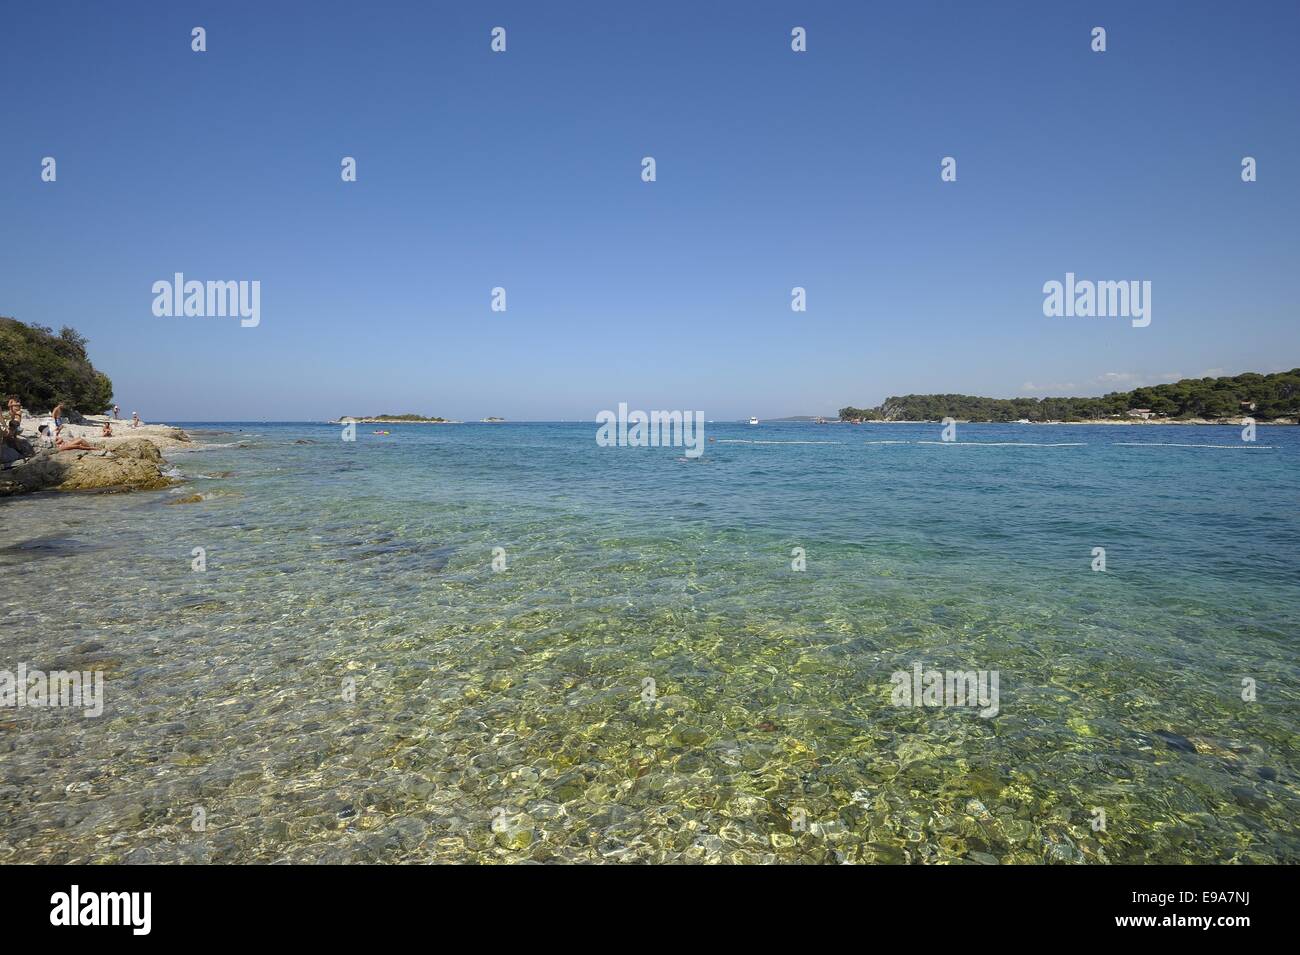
(14, 412)
(108, 430)
(13, 446)
(11, 432)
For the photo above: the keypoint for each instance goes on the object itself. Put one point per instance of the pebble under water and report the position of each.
(649, 679)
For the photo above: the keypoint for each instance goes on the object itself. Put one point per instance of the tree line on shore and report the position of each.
(44, 369)
(1272, 396)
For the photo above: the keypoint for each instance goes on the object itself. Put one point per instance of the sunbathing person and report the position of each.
(81, 444)
(55, 443)
(108, 430)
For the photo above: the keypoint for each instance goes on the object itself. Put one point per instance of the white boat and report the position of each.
(1023, 421)
(753, 421)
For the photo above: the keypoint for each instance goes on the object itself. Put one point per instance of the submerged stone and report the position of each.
(1174, 741)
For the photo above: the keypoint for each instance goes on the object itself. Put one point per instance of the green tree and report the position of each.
(44, 369)
(1274, 396)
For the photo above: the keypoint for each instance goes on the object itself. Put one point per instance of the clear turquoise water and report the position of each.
(498, 716)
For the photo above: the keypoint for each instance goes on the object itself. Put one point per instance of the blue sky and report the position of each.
(522, 170)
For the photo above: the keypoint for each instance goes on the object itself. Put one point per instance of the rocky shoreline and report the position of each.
(131, 460)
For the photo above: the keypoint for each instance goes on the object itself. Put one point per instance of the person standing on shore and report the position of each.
(117, 410)
(135, 419)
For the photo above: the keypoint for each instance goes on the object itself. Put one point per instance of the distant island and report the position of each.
(1274, 397)
(393, 419)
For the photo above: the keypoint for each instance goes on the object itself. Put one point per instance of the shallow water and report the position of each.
(499, 716)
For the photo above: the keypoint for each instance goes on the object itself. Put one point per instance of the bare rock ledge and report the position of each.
(134, 464)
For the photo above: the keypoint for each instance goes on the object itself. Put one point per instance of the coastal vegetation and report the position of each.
(1264, 397)
(44, 369)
